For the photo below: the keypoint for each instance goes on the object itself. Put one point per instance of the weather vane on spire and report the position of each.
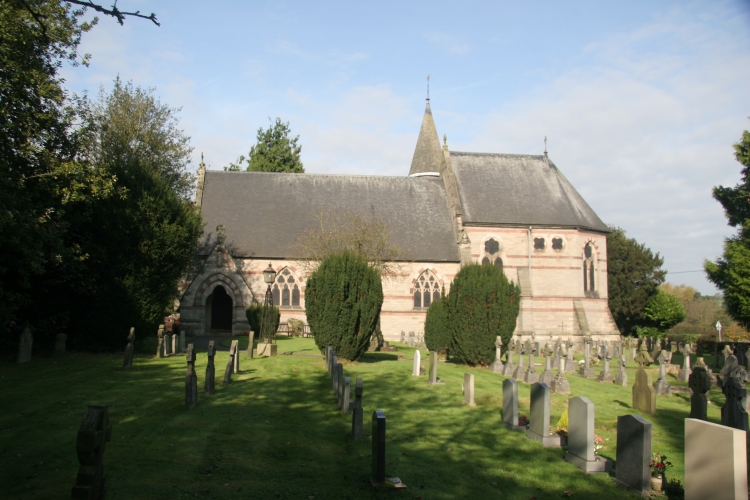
(428, 87)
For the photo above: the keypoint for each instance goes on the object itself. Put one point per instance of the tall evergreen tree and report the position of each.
(731, 272)
(342, 303)
(437, 332)
(634, 275)
(274, 151)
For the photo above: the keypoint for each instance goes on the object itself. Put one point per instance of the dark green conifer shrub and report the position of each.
(342, 302)
(254, 315)
(437, 334)
(481, 305)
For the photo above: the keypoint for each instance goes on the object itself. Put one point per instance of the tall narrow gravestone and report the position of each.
(508, 369)
(208, 386)
(633, 469)
(547, 375)
(520, 369)
(338, 374)
(605, 375)
(700, 383)
(530, 376)
(378, 479)
(539, 417)
(469, 389)
(25, 343)
(510, 405)
(235, 346)
(174, 344)
(160, 342)
(340, 385)
(586, 371)
(230, 368)
(733, 413)
(417, 364)
(497, 365)
(358, 412)
(250, 344)
(560, 384)
(715, 461)
(94, 432)
(434, 380)
(622, 377)
(570, 363)
(661, 385)
(644, 394)
(191, 379)
(345, 402)
(127, 362)
(581, 447)
(684, 374)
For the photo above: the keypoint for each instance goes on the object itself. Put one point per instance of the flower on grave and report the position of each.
(523, 420)
(598, 443)
(659, 464)
(582, 362)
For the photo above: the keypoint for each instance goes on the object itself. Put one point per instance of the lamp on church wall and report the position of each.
(267, 325)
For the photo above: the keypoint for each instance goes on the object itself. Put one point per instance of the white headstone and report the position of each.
(715, 461)
(417, 363)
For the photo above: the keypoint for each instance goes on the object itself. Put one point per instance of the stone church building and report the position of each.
(517, 212)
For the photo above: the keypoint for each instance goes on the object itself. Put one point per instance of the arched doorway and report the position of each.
(219, 309)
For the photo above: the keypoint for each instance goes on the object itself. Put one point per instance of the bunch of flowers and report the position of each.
(659, 463)
(598, 443)
(523, 420)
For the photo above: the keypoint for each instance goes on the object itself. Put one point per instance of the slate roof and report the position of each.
(266, 215)
(504, 189)
(427, 154)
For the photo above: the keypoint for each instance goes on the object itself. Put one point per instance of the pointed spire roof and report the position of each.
(427, 155)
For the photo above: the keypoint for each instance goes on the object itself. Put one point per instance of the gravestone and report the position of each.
(605, 375)
(715, 461)
(685, 371)
(558, 352)
(510, 405)
(358, 412)
(586, 371)
(230, 367)
(345, 402)
(334, 362)
(25, 343)
(508, 369)
(520, 370)
(733, 413)
(531, 376)
(570, 363)
(700, 383)
(415, 372)
(191, 379)
(581, 447)
(468, 388)
(616, 350)
(621, 378)
(434, 380)
(644, 394)
(60, 340)
(633, 457)
(497, 365)
(209, 385)
(235, 346)
(411, 339)
(340, 385)
(127, 362)
(94, 432)
(160, 342)
(338, 375)
(174, 344)
(539, 417)
(548, 375)
(661, 385)
(560, 384)
(250, 344)
(403, 337)
(378, 479)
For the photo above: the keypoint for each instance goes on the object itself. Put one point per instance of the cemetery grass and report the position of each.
(275, 431)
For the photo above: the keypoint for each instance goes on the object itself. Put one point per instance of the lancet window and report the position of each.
(492, 253)
(589, 281)
(426, 290)
(286, 289)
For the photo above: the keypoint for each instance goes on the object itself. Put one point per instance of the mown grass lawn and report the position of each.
(275, 432)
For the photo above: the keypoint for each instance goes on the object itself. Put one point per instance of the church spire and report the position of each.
(427, 154)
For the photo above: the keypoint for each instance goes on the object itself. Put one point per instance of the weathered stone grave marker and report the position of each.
(547, 375)
(508, 369)
(633, 469)
(468, 388)
(250, 344)
(208, 386)
(539, 417)
(586, 371)
(684, 374)
(605, 375)
(94, 432)
(191, 379)
(570, 362)
(530, 376)
(497, 365)
(345, 395)
(560, 384)
(358, 412)
(715, 461)
(230, 367)
(733, 413)
(160, 342)
(510, 405)
(661, 385)
(622, 377)
(644, 394)
(581, 447)
(340, 385)
(378, 479)
(700, 383)
(127, 362)
(520, 369)
(417, 364)
(235, 346)
(434, 380)
(411, 339)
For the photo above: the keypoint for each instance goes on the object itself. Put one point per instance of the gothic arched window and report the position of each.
(492, 251)
(589, 281)
(426, 290)
(285, 290)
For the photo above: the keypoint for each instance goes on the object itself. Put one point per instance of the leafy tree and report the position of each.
(342, 302)
(437, 334)
(731, 272)
(662, 313)
(274, 151)
(634, 275)
(481, 304)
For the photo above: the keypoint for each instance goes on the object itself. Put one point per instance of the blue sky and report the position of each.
(641, 101)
